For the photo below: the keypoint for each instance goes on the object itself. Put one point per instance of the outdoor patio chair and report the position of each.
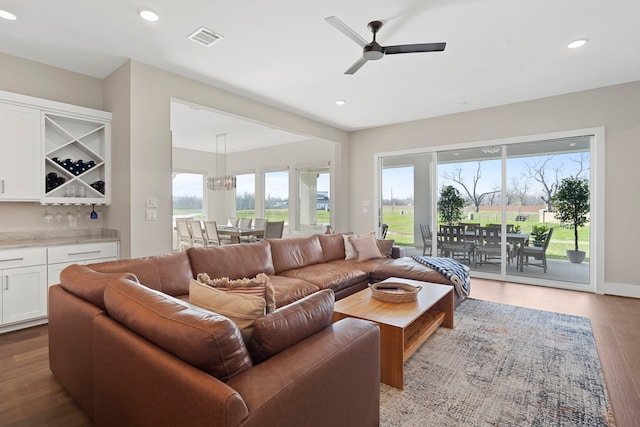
(454, 242)
(427, 239)
(488, 245)
(383, 231)
(536, 252)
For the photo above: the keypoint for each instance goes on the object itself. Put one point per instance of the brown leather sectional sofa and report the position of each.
(142, 355)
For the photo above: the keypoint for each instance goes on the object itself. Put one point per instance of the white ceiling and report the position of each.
(283, 53)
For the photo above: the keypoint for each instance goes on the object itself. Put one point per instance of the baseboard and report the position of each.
(621, 289)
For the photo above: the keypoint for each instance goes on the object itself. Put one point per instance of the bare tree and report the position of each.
(518, 189)
(581, 168)
(472, 191)
(547, 176)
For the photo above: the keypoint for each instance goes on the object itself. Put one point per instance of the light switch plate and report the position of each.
(151, 215)
(152, 202)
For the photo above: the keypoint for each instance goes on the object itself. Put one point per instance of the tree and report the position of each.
(450, 204)
(572, 204)
(539, 171)
(472, 192)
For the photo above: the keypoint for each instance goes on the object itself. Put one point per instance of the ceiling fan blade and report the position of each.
(344, 29)
(412, 48)
(356, 66)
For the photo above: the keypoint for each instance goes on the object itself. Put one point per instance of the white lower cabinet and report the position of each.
(27, 273)
(82, 253)
(23, 274)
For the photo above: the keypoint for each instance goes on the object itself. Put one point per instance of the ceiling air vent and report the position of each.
(205, 36)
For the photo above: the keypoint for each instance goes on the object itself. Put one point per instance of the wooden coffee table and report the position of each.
(403, 326)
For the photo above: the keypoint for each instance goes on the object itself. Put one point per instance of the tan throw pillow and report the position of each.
(366, 247)
(242, 309)
(258, 286)
(349, 250)
(386, 247)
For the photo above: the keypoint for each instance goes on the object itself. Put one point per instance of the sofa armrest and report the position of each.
(331, 378)
(167, 390)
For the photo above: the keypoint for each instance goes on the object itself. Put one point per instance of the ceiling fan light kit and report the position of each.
(373, 51)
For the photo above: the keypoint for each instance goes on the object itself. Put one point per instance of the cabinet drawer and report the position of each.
(23, 257)
(82, 252)
(54, 270)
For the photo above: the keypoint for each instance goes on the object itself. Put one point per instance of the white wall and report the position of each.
(150, 144)
(617, 108)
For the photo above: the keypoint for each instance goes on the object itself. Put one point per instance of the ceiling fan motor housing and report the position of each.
(373, 51)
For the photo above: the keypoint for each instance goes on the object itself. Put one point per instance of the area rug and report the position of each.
(502, 366)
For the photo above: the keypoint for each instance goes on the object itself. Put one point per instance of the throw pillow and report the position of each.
(242, 309)
(291, 324)
(258, 286)
(366, 247)
(386, 247)
(349, 250)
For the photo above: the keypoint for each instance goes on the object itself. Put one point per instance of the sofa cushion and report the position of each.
(332, 246)
(407, 268)
(206, 340)
(89, 284)
(297, 252)
(329, 275)
(169, 274)
(232, 261)
(243, 309)
(366, 247)
(289, 289)
(289, 325)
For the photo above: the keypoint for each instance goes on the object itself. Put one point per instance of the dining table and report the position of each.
(236, 232)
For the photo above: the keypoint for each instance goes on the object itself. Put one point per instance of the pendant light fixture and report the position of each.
(222, 181)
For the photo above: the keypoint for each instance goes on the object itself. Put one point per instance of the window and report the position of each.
(188, 195)
(246, 195)
(276, 196)
(314, 198)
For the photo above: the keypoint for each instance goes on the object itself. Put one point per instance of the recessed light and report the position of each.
(5, 14)
(148, 14)
(577, 43)
(341, 101)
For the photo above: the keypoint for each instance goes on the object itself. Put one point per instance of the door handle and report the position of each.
(2, 191)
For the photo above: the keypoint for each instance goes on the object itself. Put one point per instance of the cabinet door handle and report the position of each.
(6, 283)
(2, 187)
(83, 253)
(12, 259)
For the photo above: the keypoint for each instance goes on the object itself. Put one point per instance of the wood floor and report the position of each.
(31, 396)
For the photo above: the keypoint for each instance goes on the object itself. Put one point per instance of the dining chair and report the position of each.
(233, 222)
(197, 235)
(245, 222)
(184, 233)
(211, 234)
(260, 225)
(537, 252)
(427, 239)
(274, 230)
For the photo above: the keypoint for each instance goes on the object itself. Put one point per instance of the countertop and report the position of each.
(25, 239)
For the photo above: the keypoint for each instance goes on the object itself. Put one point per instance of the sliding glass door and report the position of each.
(510, 228)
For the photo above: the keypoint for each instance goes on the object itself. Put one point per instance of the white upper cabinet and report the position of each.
(52, 152)
(19, 153)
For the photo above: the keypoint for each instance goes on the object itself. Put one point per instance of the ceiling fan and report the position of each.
(373, 51)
